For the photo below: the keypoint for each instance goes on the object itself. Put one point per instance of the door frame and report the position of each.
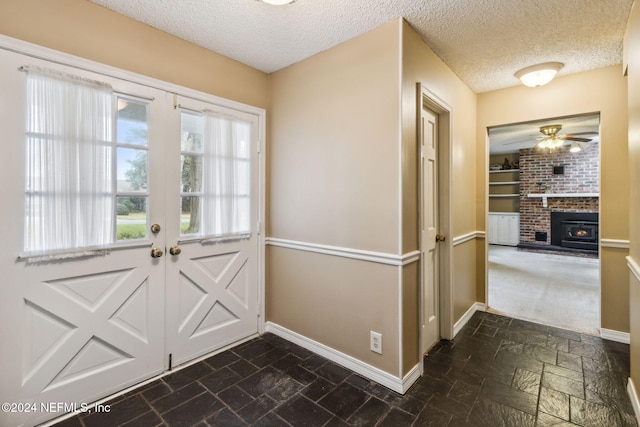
(428, 99)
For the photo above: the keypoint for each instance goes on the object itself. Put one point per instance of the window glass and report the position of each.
(215, 196)
(132, 122)
(132, 165)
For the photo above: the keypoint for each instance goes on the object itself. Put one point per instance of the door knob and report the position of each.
(155, 228)
(175, 250)
(156, 252)
(440, 238)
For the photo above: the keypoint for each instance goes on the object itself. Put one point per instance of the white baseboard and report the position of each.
(477, 306)
(610, 334)
(399, 385)
(635, 401)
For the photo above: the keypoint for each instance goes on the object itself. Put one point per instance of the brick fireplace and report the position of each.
(561, 175)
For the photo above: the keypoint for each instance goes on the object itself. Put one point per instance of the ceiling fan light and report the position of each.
(575, 147)
(539, 75)
(278, 2)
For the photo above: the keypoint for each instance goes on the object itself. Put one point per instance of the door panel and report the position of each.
(88, 326)
(430, 274)
(216, 290)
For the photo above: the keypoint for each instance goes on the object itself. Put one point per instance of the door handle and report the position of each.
(155, 228)
(175, 250)
(156, 252)
(440, 238)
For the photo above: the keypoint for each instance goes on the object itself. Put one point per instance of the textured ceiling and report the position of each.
(483, 41)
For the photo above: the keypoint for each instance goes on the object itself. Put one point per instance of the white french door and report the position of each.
(75, 330)
(212, 267)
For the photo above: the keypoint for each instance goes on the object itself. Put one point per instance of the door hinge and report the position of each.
(170, 361)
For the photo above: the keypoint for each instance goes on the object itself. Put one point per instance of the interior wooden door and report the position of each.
(430, 333)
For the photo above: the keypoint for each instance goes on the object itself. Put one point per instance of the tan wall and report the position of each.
(334, 165)
(334, 180)
(604, 91)
(632, 55)
(336, 301)
(90, 31)
(420, 64)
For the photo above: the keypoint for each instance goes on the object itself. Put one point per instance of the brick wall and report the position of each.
(536, 176)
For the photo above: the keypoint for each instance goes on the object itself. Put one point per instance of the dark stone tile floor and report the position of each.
(498, 371)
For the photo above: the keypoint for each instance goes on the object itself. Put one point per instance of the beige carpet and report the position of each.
(556, 290)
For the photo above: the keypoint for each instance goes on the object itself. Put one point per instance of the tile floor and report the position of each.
(498, 371)
(554, 289)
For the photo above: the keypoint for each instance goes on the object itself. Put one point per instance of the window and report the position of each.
(69, 154)
(86, 165)
(216, 175)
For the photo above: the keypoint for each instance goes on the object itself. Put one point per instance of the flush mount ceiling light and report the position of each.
(538, 75)
(278, 2)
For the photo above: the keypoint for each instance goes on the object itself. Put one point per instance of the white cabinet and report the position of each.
(504, 228)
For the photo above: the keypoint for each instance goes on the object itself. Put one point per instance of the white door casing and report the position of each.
(77, 330)
(430, 327)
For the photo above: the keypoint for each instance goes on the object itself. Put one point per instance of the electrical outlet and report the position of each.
(376, 342)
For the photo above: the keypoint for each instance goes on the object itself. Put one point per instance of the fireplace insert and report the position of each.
(579, 234)
(575, 230)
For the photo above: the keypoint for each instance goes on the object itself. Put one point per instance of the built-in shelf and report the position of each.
(505, 170)
(504, 188)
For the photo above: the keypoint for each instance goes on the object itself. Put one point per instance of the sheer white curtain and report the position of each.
(69, 182)
(227, 176)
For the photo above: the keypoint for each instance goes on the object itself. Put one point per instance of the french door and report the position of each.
(75, 330)
(212, 266)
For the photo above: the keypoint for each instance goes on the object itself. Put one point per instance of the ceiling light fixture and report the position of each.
(278, 2)
(575, 147)
(538, 75)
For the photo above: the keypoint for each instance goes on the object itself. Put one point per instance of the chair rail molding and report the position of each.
(472, 235)
(614, 243)
(359, 254)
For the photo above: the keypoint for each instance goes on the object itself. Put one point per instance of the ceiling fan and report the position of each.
(552, 140)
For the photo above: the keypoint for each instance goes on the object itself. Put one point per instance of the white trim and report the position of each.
(634, 267)
(635, 401)
(378, 257)
(399, 385)
(614, 243)
(458, 240)
(476, 306)
(611, 335)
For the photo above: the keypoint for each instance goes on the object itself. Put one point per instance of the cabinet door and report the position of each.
(514, 229)
(493, 229)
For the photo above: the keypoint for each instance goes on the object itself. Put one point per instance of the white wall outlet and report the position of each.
(376, 342)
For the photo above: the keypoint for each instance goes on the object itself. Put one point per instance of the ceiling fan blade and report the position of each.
(581, 133)
(518, 142)
(571, 138)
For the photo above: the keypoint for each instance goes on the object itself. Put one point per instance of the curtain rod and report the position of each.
(224, 102)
